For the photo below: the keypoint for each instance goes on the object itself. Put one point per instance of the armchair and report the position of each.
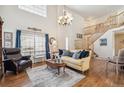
(14, 61)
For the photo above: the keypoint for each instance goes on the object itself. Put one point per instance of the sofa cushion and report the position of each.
(71, 54)
(87, 53)
(76, 55)
(72, 60)
(84, 54)
(66, 53)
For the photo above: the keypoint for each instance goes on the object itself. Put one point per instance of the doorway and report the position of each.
(119, 42)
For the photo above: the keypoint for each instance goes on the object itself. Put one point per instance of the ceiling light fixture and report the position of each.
(65, 19)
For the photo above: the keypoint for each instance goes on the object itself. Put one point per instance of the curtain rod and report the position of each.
(34, 29)
(31, 31)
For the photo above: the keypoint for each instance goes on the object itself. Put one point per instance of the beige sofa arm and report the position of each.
(85, 63)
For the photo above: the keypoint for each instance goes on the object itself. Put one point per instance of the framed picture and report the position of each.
(103, 42)
(8, 39)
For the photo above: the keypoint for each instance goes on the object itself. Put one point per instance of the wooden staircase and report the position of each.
(94, 32)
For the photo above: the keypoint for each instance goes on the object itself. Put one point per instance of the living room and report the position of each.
(79, 41)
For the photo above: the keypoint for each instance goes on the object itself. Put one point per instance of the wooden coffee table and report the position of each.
(53, 64)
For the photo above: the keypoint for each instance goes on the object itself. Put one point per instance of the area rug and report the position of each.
(44, 77)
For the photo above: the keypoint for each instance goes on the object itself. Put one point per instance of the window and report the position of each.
(66, 43)
(39, 45)
(36, 9)
(33, 44)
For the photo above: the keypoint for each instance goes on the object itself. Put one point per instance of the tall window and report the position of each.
(66, 43)
(36, 9)
(33, 44)
(39, 45)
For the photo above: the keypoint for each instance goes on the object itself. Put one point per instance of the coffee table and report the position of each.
(55, 65)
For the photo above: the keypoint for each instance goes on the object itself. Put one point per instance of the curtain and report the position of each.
(18, 39)
(47, 46)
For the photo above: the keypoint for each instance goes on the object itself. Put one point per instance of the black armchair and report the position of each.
(14, 61)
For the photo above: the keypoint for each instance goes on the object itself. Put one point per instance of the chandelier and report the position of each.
(66, 19)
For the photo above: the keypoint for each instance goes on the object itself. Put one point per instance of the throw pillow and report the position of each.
(87, 53)
(76, 55)
(71, 54)
(84, 54)
(66, 53)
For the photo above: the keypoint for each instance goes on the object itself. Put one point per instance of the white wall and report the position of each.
(15, 18)
(109, 50)
(104, 51)
(71, 30)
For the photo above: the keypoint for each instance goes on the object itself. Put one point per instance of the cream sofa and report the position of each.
(79, 64)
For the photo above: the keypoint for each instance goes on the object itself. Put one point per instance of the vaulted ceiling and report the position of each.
(94, 11)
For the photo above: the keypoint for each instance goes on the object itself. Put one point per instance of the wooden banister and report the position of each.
(111, 22)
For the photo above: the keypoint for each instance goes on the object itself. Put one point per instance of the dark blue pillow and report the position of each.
(84, 54)
(87, 53)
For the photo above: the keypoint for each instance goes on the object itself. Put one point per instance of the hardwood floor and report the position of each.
(99, 77)
(95, 77)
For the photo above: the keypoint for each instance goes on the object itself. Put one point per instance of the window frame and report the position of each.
(40, 10)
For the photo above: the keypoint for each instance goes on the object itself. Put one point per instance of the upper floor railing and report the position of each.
(111, 22)
(94, 32)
